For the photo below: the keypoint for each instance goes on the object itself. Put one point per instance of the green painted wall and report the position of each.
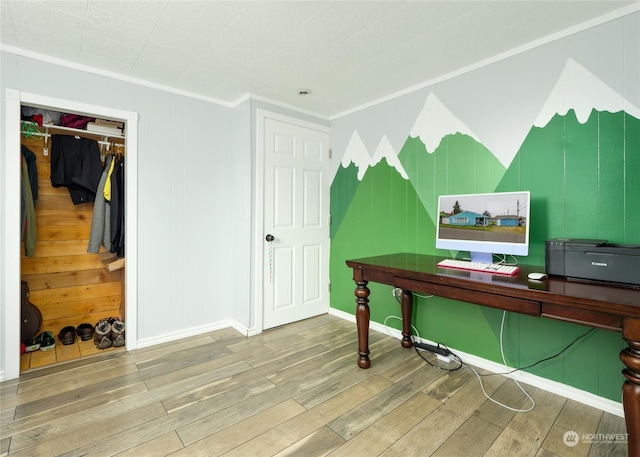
(561, 120)
(583, 180)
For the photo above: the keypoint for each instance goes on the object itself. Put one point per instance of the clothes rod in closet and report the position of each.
(46, 134)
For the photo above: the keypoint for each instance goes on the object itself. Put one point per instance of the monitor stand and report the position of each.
(481, 257)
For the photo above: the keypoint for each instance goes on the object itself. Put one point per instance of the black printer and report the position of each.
(593, 260)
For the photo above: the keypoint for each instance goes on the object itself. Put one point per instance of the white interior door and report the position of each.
(296, 220)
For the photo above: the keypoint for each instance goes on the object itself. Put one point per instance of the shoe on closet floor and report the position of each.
(117, 333)
(32, 344)
(85, 331)
(67, 335)
(102, 335)
(47, 342)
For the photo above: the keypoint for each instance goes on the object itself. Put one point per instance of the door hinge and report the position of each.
(329, 287)
(330, 152)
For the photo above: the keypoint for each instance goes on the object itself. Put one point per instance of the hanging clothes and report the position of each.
(76, 164)
(32, 169)
(101, 221)
(107, 185)
(28, 212)
(117, 207)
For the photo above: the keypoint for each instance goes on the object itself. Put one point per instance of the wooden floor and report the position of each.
(292, 391)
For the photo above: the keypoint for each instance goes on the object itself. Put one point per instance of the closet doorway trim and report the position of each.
(11, 272)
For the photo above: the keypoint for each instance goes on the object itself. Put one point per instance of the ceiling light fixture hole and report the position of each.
(304, 91)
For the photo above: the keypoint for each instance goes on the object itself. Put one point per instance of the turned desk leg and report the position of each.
(362, 320)
(406, 304)
(631, 394)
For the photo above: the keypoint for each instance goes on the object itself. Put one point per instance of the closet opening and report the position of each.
(67, 286)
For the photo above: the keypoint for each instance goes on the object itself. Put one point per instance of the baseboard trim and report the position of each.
(548, 385)
(191, 332)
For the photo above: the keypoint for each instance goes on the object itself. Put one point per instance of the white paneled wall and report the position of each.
(189, 175)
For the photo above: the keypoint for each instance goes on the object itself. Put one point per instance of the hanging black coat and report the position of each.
(76, 164)
(117, 208)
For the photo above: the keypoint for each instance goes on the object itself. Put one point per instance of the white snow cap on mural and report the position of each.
(579, 89)
(357, 153)
(385, 150)
(435, 121)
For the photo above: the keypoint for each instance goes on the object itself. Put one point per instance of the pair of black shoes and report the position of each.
(68, 334)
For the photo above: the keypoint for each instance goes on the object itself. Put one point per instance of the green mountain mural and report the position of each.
(385, 215)
(343, 188)
(458, 165)
(584, 183)
(583, 179)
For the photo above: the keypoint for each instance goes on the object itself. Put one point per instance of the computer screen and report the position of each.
(484, 224)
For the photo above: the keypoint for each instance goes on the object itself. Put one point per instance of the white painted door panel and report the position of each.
(296, 213)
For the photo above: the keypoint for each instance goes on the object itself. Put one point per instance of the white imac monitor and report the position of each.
(484, 224)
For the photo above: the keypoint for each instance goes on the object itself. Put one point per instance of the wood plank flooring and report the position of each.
(292, 391)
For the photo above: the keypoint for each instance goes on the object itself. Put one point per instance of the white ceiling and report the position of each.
(349, 53)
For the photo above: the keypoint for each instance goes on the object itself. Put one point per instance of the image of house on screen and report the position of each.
(468, 219)
(471, 219)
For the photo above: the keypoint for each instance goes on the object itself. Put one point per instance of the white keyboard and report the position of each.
(492, 268)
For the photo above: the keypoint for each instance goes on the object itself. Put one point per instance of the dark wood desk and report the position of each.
(595, 305)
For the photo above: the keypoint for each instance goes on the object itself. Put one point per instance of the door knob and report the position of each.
(269, 238)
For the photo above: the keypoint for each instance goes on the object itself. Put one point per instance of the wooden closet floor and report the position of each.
(61, 353)
(292, 391)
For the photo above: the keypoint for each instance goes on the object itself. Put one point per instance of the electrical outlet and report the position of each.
(396, 292)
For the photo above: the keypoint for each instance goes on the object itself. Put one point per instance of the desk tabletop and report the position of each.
(610, 298)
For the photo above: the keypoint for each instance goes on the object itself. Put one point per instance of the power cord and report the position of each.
(503, 260)
(546, 358)
(422, 296)
(504, 361)
(466, 365)
(478, 375)
(415, 331)
(510, 372)
(386, 327)
(415, 294)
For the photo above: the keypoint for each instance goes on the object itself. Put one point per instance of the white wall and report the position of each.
(241, 219)
(192, 179)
